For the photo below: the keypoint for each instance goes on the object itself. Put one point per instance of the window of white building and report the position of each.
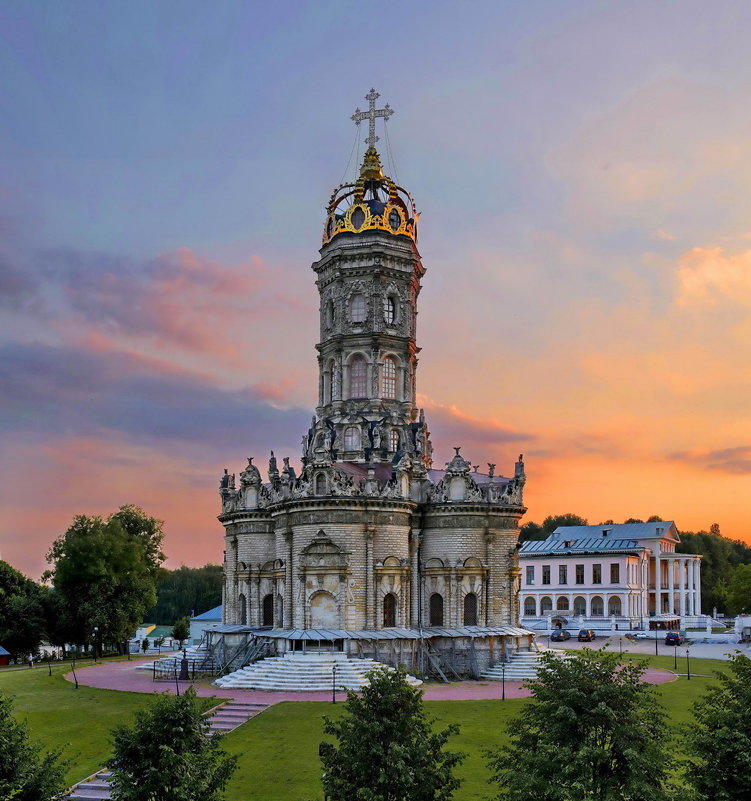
(546, 604)
(563, 574)
(597, 606)
(615, 573)
(530, 607)
(596, 574)
(546, 574)
(530, 574)
(580, 574)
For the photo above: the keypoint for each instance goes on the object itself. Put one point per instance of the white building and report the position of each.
(625, 576)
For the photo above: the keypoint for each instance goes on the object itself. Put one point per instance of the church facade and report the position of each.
(369, 536)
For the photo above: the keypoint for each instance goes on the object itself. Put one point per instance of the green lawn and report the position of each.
(279, 748)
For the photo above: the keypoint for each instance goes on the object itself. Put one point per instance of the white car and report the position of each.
(641, 635)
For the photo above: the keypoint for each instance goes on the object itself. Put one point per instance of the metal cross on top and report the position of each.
(371, 114)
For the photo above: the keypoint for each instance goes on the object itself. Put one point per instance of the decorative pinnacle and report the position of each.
(370, 115)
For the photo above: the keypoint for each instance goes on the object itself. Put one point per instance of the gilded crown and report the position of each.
(373, 203)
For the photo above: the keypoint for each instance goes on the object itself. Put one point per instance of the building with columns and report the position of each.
(625, 576)
(368, 536)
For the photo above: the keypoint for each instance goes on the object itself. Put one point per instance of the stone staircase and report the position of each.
(222, 719)
(521, 667)
(300, 672)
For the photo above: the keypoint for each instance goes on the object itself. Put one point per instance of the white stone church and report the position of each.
(370, 549)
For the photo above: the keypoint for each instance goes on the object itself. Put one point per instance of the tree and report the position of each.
(534, 531)
(593, 731)
(145, 644)
(22, 623)
(184, 591)
(181, 630)
(26, 773)
(739, 591)
(166, 754)
(387, 749)
(719, 743)
(104, 576)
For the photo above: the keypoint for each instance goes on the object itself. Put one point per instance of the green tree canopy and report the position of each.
(22, 618)
(166, 754)
(592, 732)
(26, 772)
(186, 591)
(387, 749)
(719, 743)
(534, 531)
(181, 630)
(739, 591)
(104, 576)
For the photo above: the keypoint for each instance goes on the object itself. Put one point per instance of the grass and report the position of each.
(59, 716)
(278, 750)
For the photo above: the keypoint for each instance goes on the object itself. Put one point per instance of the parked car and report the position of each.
(560, 636)
(675, 637)
(641, 635)
(586, 635)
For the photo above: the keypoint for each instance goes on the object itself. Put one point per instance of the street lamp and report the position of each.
(675, 657)
(656, 633)
(96, 630)
(333, 685)
(503, 681)
(688, 666)
(620, 645)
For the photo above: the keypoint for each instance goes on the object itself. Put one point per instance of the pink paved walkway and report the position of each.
(123, 676)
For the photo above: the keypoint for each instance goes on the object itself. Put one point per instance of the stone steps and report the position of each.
(222, 719)
(521, 667)
(304, 672)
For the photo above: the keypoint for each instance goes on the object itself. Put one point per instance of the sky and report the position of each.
(584, 181)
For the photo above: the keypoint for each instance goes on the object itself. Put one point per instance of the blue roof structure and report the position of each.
(554, 545)
(212, 614)
(3, 652)
(619, 531)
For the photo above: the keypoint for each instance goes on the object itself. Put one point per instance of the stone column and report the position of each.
(415, 577)
(255, 615)
(698, 585)
(369, 594)
(658, 586)
(289, 615)
(671, 588)
(588, 601)
(682, 586)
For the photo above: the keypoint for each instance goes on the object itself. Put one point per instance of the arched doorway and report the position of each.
(436, 609)
(389, 610)
(268, 610)
(530, 607)
(470, 609)
(323, 611)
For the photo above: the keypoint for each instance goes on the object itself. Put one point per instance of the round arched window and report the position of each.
(389, 310)
(358, 310)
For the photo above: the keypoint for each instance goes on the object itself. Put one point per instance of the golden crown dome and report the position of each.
(373, 203)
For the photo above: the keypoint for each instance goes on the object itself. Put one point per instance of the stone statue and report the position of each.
(491, 470)
(224, 481)
(250, 475)
(272, 464)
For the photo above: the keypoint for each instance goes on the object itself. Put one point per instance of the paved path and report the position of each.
(123, 676)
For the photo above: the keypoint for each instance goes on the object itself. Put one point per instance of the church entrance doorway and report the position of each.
(268, 610)
(323, 611)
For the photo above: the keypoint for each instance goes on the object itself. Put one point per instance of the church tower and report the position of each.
(369, 536)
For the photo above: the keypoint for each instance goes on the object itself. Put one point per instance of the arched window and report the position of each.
(562, 605)
(546, 605)
(243, 611)
(597, 608)
(320, 484)
(330, 383)
(530, 607)
(352, 438)
(580, 606)
(389, 310)
(470, 609)
(358, 378)
(614, 606)
(436, 609)
(358, 309)
(388, 378)
(268, 610)
(389, 610)
(394, 440)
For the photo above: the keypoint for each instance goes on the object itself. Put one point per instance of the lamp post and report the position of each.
(656, 633)
(620, 645)
(96, 630)
(503, 681)
(675, 657)
(688, 666)
(333, 685)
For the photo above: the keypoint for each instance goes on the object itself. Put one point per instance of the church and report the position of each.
(370, 548)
